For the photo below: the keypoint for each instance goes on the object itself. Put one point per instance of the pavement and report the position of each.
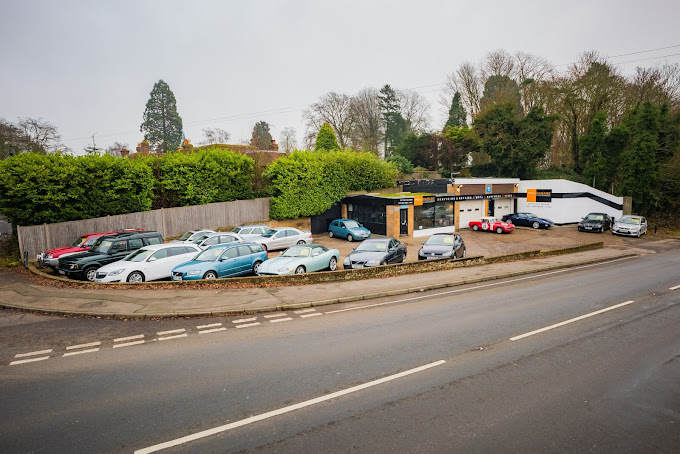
(19, 293)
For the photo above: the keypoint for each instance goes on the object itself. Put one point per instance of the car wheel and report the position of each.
(350, 238)
(464, 253)
(383, 262)
(535, 225)
(403, 259)
(301, 242)
(475, 227)
(210, 275)
(333, 264)
(135, 276)
(499, 230)
(330, 234)
(638, 234)
(256, 266)
(90, 273)
(300, 270)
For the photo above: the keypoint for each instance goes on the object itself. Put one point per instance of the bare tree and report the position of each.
(660, 84)
(39, 136)
(415, 109)
(334, 108)
(498, 63)
(468, 82)
(214, 135)
(367, 126)
(532, 74)
(288, 140)
(115, 149)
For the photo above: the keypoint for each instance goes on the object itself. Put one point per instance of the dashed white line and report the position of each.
(23, 361)
(281, 411)
(248, 325)
(129, 344)
(674, 288)
(123, 339)
(276, 315)
(172, 337)
(91, 344)
(281, 320)
(566, 322)
(212, 325)
(311, 315)
(172, 331)
(244, 320)
(39, 352)
(214, 330)
(91, 350)
(305, 311)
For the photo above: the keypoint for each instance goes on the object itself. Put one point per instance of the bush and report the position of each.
(402, 164)
(483, 170)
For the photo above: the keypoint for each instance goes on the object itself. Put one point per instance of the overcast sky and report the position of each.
(88, 66)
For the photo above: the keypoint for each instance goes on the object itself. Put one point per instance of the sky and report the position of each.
(88, 67)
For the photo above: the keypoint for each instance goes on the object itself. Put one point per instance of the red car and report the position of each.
(83, 243)
(492, 225)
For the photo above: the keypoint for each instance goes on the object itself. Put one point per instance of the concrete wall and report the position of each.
(169, 222)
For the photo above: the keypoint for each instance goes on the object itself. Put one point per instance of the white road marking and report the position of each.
(566, 322)
(674, 288)
(304, 311)
(212, 325)
(172, 337)
(23, 361)
(477, 287)
(281, 411)
(172, 331)
(91, 344)
(123, 339)
(276, 315)
(310, 315)
(214, 330)
(248, 324)
(128, 344)
(81, 351)
(39, 352)
(243, 320)
(281, 320)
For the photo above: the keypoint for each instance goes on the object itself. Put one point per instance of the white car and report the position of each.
(148, 263)
(248, 232)
(218, 238)
(192, 236)
(630, 226)
(282, 238)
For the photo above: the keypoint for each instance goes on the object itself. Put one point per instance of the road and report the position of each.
(457, 370)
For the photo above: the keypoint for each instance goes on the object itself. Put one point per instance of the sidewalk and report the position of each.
(20, 294)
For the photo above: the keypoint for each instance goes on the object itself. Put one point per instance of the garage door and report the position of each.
(470, 211)
(502, 207)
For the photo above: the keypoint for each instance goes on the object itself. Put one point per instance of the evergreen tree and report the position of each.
(261, 138)
(457, 114)
(395, 124)
(325, 139)
(162, 125)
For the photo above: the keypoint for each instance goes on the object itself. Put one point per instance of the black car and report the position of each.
(442, 245)
(595, 222)
(374, 252)
(107, 249)
(528, 220)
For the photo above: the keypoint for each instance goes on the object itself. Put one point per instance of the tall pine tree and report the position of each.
(162, 125)
(457, 114)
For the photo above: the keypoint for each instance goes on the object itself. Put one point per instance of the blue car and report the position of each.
(223, 260)
(528, 220)
(348, 228)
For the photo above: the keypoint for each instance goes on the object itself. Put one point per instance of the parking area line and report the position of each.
(276, 315)
(123, 339)
(310, 315)
(91, 344)
(674, 288)
(248, 325)
(212, 325)
(172, 337)
(244, 320)
(214, 330)
(281, 320)
(281, 411)
(172, 331)
(572, 320)
(129, 344)
(79, 352)
(39, 352)
(31, 360)
(303, 311)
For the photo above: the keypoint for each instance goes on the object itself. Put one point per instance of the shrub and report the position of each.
(402, 164)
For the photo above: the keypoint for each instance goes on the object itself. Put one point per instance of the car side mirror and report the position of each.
(354, 249)
(423, 243)
(152, 259)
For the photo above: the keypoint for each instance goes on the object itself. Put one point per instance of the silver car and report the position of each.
(219, 238)
(282, 238)
(630, 226)
(249, 232)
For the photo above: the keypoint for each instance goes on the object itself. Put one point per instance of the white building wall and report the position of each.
(567, 210)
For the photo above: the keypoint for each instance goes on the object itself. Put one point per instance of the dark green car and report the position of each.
(107, 249)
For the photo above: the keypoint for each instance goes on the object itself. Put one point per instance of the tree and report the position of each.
(325, 140)
(457, 114)
(402, 164)
(288, 140)
(37, 136)
(93, 149)
(162, 125)
(334, 109)
(261, 138)
(215, 135)
(116, 148)
(367, 132)
(467, 81)
(500, 90)
(395, 125)
(414, 109)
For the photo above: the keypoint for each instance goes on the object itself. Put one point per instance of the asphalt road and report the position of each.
(436, 372)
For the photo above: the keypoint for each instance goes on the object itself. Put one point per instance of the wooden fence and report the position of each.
(169, 222)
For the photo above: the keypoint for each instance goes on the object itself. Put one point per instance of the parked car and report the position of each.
(630, 226)
(443, 245)
(82, 244)
(374, 252)
(149, 263)
(223, 260)
(282, 238)
(212, 239)
(528, 220)
(595, 222)
(348, 228)
(107, 249)
(248, 232)
(300, 259)
(491, 225)
(193, 236)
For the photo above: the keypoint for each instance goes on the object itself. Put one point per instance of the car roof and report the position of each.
(228, 245)
(281, 228)
(155, 247)
(445, 233)
(212, 234)
(377, 240)
(251, 225)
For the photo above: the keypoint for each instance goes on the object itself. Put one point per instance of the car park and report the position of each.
(212, 239)
(107, 249)
(630, 225)
(349, 229)
(248, 232)
(193, 236)
(528, 220)
(491, 225)
(149, 263)
(443, 245)
(300, 259)
(375, 252)
(595, 222)
(223, 260)
(282, 238)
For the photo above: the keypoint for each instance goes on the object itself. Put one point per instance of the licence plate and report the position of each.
(357, 265)
(176, 278)
(62, 272)
(589, 228)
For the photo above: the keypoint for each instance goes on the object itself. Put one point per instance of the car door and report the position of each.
(318, 260)
(521, 220)
(158, 265)
(244, 260)
(643, 226)
(227, 264)
(176, 256)
(278, 240)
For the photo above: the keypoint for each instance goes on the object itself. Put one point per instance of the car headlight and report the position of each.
(193, 272)
(373, 262)
(283, 270)
(73, 266)
(48, 256)
(346, 261)
(116, 272)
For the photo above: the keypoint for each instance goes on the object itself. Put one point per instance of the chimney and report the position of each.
(274, 146)
(124, 152)
(145, 148)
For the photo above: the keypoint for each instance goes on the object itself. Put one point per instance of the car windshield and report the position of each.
(237, 229)
(90, 241)
(103, 246)
(138, 256)
(270, 233)
(489, 220)
(297, 251)
(594, 217)
(530, 215)
(78, 242)
(209, 255)
(186, 236)
(200, 237)
(372, 246)
(629, 220)
(439, 240)
(352, 224)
